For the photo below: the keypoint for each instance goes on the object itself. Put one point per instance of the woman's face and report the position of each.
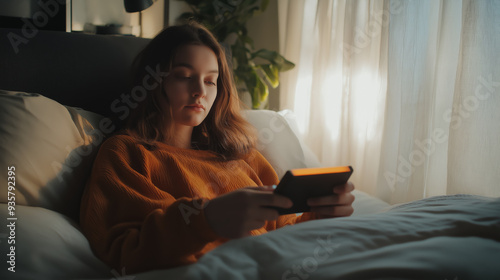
(191, 86)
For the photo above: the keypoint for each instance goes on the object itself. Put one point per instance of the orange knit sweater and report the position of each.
(141, 209)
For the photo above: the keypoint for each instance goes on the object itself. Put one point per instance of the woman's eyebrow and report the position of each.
(187, 65)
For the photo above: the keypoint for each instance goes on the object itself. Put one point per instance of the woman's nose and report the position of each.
(198, 88)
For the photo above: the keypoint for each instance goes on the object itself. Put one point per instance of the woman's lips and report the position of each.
(196, 107)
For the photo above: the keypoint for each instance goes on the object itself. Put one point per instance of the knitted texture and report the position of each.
(142, 209)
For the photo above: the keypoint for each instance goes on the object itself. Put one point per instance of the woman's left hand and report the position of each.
(337, 205)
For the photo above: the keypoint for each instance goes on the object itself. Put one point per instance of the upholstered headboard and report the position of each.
(87, 71)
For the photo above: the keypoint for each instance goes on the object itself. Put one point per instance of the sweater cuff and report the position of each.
(306, 216)
(200, 224)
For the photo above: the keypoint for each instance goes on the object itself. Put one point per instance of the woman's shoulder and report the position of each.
(119, 140)
(123, 143)
(122, 147)
(258, 162)
(255, 157)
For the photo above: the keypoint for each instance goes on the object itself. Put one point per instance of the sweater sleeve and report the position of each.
(269, 177)
(132, 224)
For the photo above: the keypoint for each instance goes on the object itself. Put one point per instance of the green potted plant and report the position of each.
(256, 70)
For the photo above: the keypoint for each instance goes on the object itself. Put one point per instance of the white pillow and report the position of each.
(310, 158)
(276, 140)
(49, 246)
(51, 148)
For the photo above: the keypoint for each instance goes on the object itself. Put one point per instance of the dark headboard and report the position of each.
(87, 71)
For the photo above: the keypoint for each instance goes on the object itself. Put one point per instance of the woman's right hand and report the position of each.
(236, 213)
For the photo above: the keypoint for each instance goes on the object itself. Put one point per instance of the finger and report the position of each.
(261, 188)
(347, 187)
(331, 200)
(334, 211)
(346, 198)
(255, 224)
(271, 187)
(323, 200)
(276, 200)
(267, 214)
(242, 234)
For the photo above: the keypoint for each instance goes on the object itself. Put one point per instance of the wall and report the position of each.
(42, 15)
(153, 19)
(18, 8)
(100, 12)
(176, 8)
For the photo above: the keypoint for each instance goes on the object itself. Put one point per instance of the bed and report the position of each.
(57, 92)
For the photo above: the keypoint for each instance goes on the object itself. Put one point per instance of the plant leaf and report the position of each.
(248, 3)
(265, 54)
(187, 15)
(263, 91)
(247, 40)
(249, 14)
(264, 4)
(287, 65)
(271, 73)
(256, 87)
(274, 58)
(193, 2)
(251, 83)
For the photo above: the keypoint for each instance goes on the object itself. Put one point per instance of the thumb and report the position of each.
(269, 188)
(262, 188)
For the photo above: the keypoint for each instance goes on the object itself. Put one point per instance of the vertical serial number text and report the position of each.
(11, 218)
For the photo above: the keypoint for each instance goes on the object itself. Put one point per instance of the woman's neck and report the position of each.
(182, 136)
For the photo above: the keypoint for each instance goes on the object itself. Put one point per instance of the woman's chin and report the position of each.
(192, 122)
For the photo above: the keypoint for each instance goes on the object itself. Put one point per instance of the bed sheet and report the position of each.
(445, 237)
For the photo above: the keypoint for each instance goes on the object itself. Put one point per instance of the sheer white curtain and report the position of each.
(407, 92)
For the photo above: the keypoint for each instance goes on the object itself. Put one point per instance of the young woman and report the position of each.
(183, 176)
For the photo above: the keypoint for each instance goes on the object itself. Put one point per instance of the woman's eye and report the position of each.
(210, 83)
(183, 77)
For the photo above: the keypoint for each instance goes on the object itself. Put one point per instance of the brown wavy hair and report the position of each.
(223, 131)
